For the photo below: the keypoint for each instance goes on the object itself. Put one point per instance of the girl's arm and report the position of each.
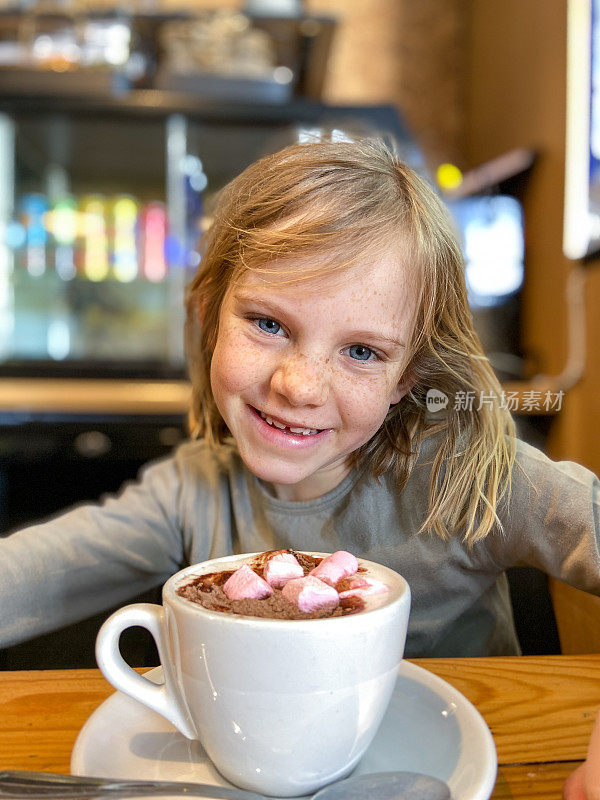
(584, 783)
(553, 522)
(92, 557)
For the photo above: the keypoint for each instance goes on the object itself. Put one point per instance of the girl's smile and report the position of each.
(304, 371)
(286, 434)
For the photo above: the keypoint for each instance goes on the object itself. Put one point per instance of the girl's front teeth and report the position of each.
(275, 424)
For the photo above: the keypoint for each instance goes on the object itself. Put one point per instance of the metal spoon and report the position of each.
(46, 785)
(378, 786)
(386, 786)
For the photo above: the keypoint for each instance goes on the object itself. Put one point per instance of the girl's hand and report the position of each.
(584, 783)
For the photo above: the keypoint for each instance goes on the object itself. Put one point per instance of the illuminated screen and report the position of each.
(492, 238)
(582, 166)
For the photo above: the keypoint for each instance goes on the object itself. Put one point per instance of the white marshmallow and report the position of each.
(338, 565)
(282, 568)
(310, 594)
(360, 586)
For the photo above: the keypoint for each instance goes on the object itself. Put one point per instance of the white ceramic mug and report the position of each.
(281, 707)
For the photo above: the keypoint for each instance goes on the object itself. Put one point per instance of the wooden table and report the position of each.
(540, 711)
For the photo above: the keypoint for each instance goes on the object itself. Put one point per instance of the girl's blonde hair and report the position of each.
(341, 203)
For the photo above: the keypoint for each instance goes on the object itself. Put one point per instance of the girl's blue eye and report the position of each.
(360, 353)
(268, 325)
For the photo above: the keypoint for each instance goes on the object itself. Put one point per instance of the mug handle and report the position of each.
(164, 698)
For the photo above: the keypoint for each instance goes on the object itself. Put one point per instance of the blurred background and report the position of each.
(119, 123)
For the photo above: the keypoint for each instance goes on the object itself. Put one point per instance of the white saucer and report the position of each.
(429, 727)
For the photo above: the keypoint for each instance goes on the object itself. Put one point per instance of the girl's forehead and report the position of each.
(380, 271)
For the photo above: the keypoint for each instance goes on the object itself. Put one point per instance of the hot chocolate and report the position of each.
(280, 707)
(287, 584)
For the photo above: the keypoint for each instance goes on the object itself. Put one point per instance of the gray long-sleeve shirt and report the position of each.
(194, 506)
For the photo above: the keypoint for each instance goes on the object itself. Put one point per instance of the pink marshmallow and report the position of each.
(282, 568)
(245, 584)
(360, 586)
(338, 565)
(310, 594)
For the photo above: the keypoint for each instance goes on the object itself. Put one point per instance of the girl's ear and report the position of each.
(403, 387)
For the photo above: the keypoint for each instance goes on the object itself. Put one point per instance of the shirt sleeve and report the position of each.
(553, 520)
(91, 558)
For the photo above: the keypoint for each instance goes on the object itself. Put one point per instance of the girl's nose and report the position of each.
(301, 380)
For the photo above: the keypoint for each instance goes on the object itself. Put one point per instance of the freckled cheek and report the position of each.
(236, 364)
(364, 402)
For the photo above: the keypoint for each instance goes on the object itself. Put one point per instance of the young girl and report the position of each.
(329, 302)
